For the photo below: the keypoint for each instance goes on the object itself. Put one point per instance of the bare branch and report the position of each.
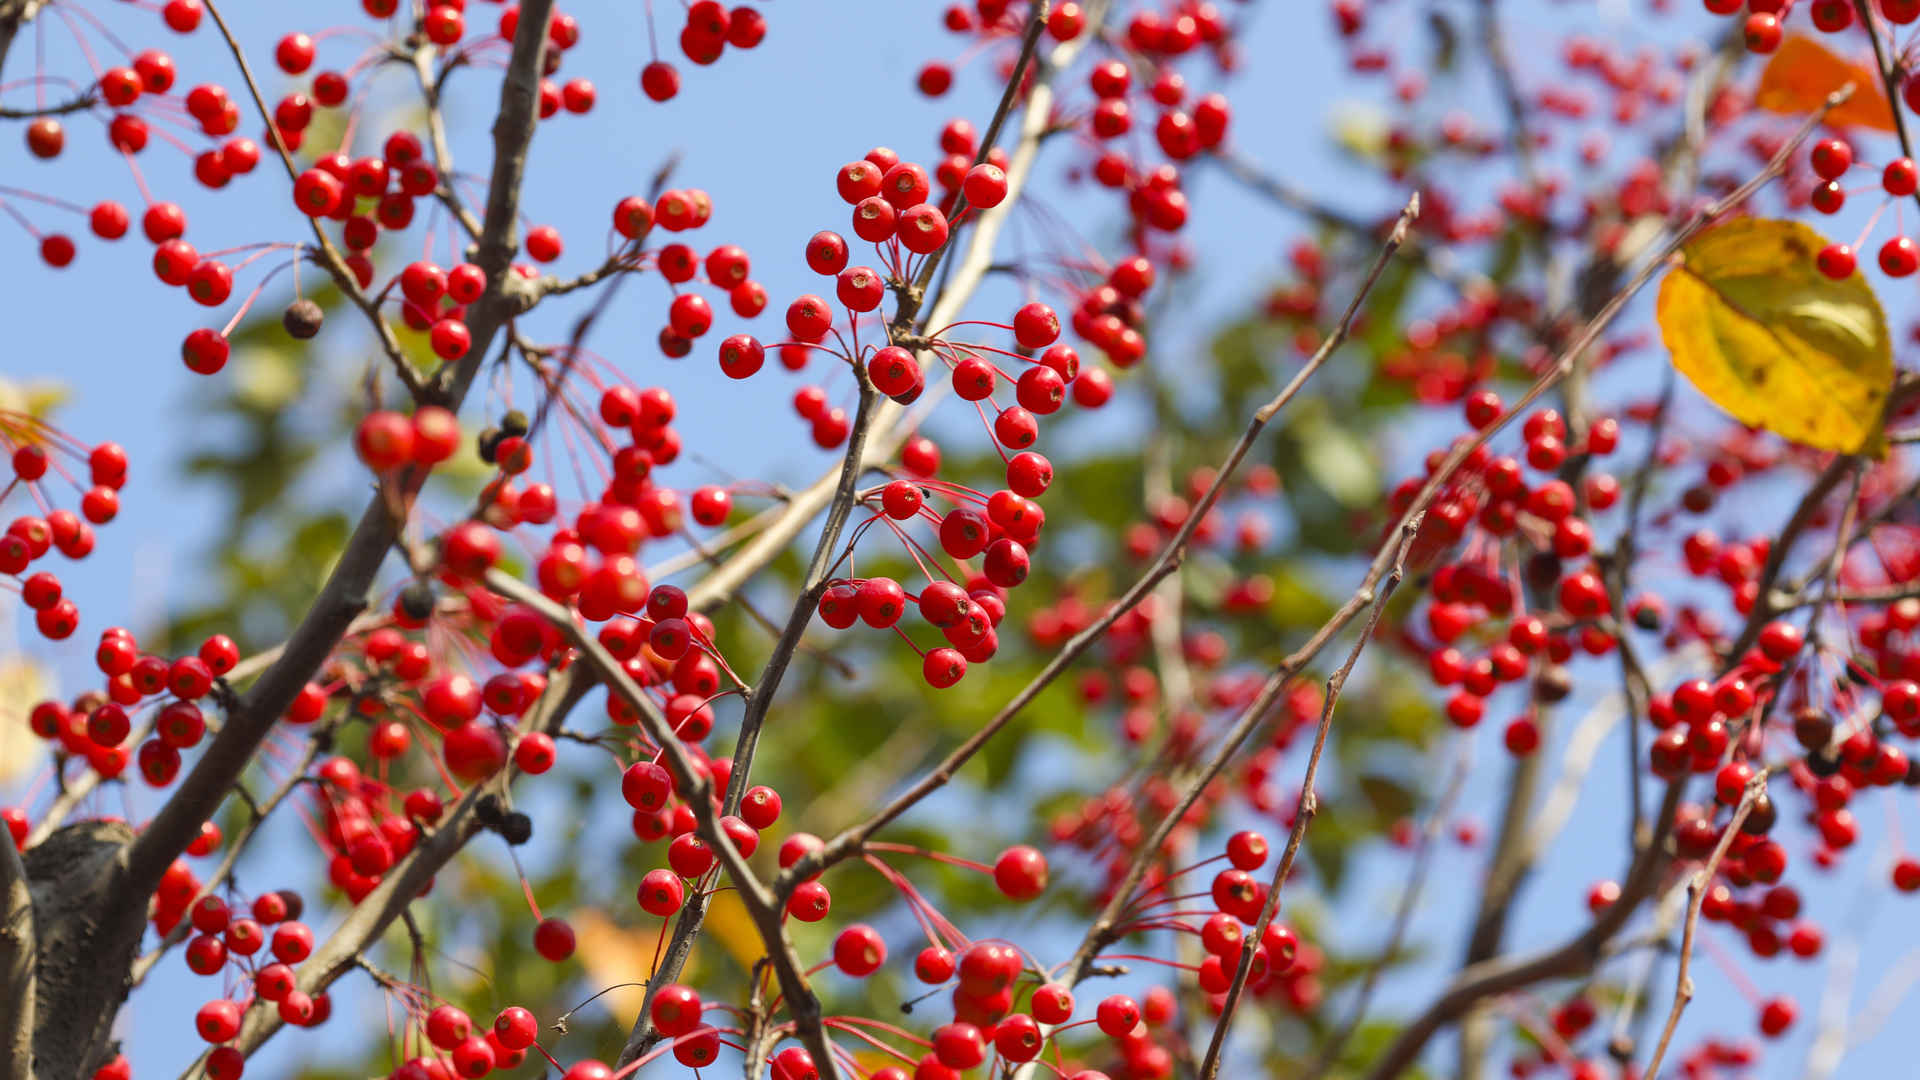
(825, 552)
(1495, 44)
(1304, 811)
(81, 103)
(1402, 920)
(1696, 896)
(421, 60)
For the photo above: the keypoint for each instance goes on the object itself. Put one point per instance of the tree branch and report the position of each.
(84, 101)
(18, 984)
(342, 951)
(1891, 75)
(697, 790)
(344, 595)
(421, 60)
(885, 434)
(813, 586)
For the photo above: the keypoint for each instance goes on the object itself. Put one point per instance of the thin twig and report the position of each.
(1892, 73)
(330, 256)
(813, 586)
(421, 61)
(1304, 811)
(1696, 897)
(235, 846)
(1402, 919)
(85, 101)
(1036, 22)
(697, 787)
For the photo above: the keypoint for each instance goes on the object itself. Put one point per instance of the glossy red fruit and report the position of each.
(1835, 261)
(1021, 873)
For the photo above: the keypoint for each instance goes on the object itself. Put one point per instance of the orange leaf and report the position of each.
(1802, 72)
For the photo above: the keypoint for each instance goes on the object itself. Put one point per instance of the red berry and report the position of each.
(1021, 873)
(1831, 158)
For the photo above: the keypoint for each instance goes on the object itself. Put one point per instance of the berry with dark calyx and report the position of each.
(1899, 257)
(1900, 177)
(1836, 261)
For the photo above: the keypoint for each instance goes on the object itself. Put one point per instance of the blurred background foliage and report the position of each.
(845, 732)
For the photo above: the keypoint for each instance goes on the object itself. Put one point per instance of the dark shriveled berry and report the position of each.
(516, 828)
(303, 319)
(1553, 684)
(416, 601)
(1813, 728)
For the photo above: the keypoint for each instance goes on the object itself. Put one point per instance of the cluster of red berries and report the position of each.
(444, 25)
(710, 27)
(1489, 497)
(367, 830)
(997, 529)
(1765, 25)
(97, 725)
(447, 1046)
(1831, 159)
(228, 941)
(727, 267)
(34, 450)
(1153, 42)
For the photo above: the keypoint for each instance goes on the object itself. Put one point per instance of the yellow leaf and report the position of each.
(34, 399)
(613, 955)
(1361, 130)
(729, 924)
(1802, 72)
(1767, 337)
(22, 684)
